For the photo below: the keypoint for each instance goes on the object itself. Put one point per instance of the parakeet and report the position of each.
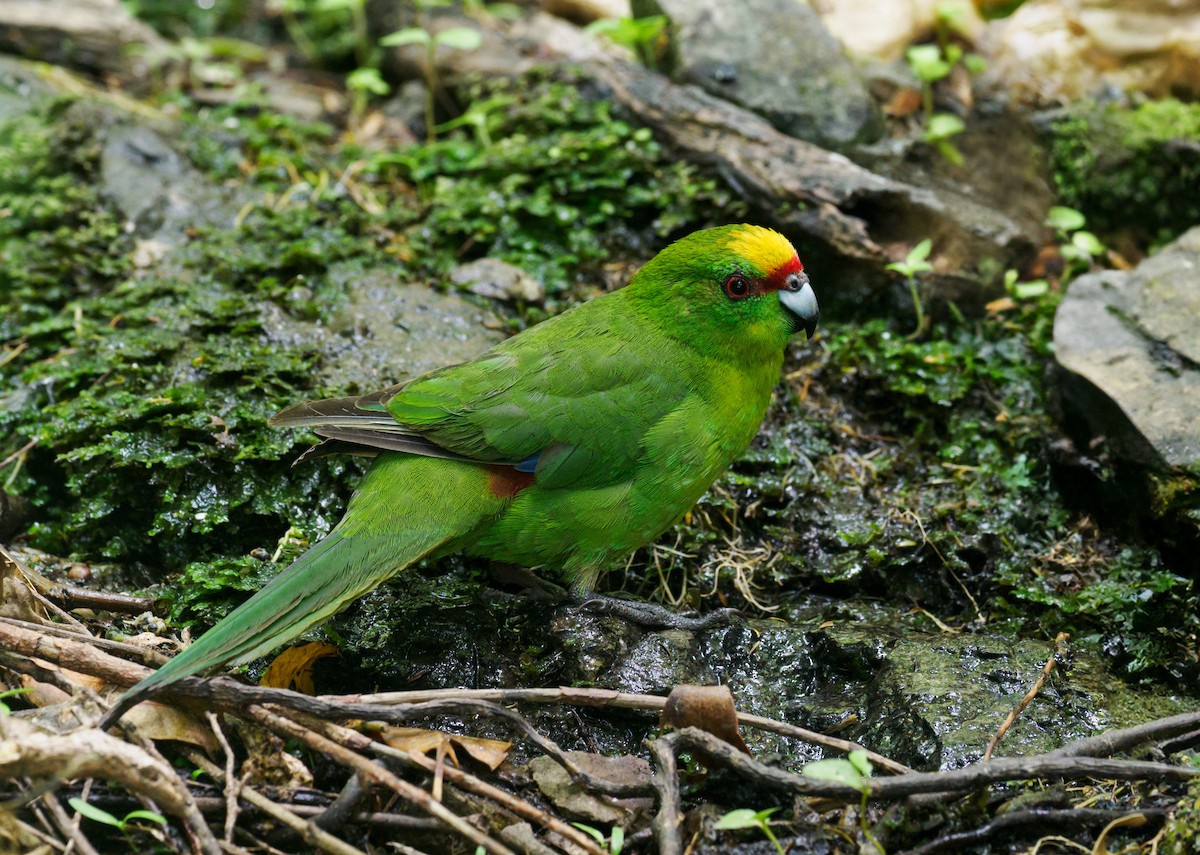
(568, 445)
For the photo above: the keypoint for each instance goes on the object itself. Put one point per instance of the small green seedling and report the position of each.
(5, 709)
(938, 132)
(1079, 246)
(643, 36)
(124, 825)
(854, 770)
(747, 818)
(913, 264)
(456, 38)
(1030, 290)
(615, 842)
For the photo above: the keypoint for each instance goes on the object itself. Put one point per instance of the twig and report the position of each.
(145, 655)
(1032, 821)
(311, 834)
(950, 780)
(93, 754)
(459, 778)
(1060, 642)
(1116, 741)
(77, 598)
(609, 698)
(666, 782)
(232, 784)
(69, 828)
(373, 772)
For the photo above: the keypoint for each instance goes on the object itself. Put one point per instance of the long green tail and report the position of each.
(406, 508)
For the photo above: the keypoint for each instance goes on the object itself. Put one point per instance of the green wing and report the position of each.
(570, 400)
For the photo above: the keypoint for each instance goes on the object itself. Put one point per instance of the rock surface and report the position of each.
(1067, 49)
(93, 35)
(1130, 347)
(782, 64)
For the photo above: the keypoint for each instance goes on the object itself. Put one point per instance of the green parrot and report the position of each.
(568, 445)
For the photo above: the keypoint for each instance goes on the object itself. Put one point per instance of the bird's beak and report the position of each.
(800, 301)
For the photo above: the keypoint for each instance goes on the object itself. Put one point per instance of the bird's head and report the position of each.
(740, 287)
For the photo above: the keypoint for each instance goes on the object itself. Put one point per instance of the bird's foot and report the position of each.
(652, 615)
(530, 586)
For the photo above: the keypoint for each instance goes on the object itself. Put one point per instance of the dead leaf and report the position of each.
(554, 782)
(489, 752)
(161, 722)
(709, 708)
(293, 668)
(904, 102)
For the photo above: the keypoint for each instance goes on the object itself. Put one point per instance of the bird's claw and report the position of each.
(651, 615)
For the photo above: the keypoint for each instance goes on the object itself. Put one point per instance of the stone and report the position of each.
(498, 280)
(1129, 349)
(1054, 50)
(92, 35)
(774, 57)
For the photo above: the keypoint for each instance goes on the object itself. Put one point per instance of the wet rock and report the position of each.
(774, 57)
(390, 330)
(498, 280)
(92, 35)
(1129, 349)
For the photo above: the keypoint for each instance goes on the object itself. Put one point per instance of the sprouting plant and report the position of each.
(931, 63)
(1079, 246)
(457, 38)
(854, 770)
(913, 264)
(5, 709)
(747, 818)
(124, 824)
(643, 36)
(1024, 290)
(476, 117)
(365, 82)
(615, 841)
(938, 132)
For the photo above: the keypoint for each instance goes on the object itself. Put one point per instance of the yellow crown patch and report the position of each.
(765, 248)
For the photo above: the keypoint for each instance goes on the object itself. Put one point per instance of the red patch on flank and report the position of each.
(777, 280)
(505, 481)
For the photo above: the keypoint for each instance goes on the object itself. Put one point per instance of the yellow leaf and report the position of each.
(293, 668)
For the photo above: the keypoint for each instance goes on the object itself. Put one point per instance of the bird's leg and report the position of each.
(533, 586)
(650, 614)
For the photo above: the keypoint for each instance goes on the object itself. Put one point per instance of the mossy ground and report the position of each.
(1130, 169)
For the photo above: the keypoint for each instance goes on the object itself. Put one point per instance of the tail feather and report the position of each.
(407, 508)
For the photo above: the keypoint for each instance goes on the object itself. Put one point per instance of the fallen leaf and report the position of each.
(489, 752)
(554, 782)
(709, 708)
(293, 668)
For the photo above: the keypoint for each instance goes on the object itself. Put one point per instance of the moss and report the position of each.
(554, 185)
(1122, 166)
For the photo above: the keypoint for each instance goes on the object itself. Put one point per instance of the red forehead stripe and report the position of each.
(778, 278)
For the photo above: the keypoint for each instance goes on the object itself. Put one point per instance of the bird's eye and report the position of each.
(736, 287)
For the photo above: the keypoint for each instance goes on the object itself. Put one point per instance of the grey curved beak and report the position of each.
(798, 298)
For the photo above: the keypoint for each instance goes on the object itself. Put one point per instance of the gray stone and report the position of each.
(498, 280)
(774, 57)
(390, 330)
(1129, 344)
